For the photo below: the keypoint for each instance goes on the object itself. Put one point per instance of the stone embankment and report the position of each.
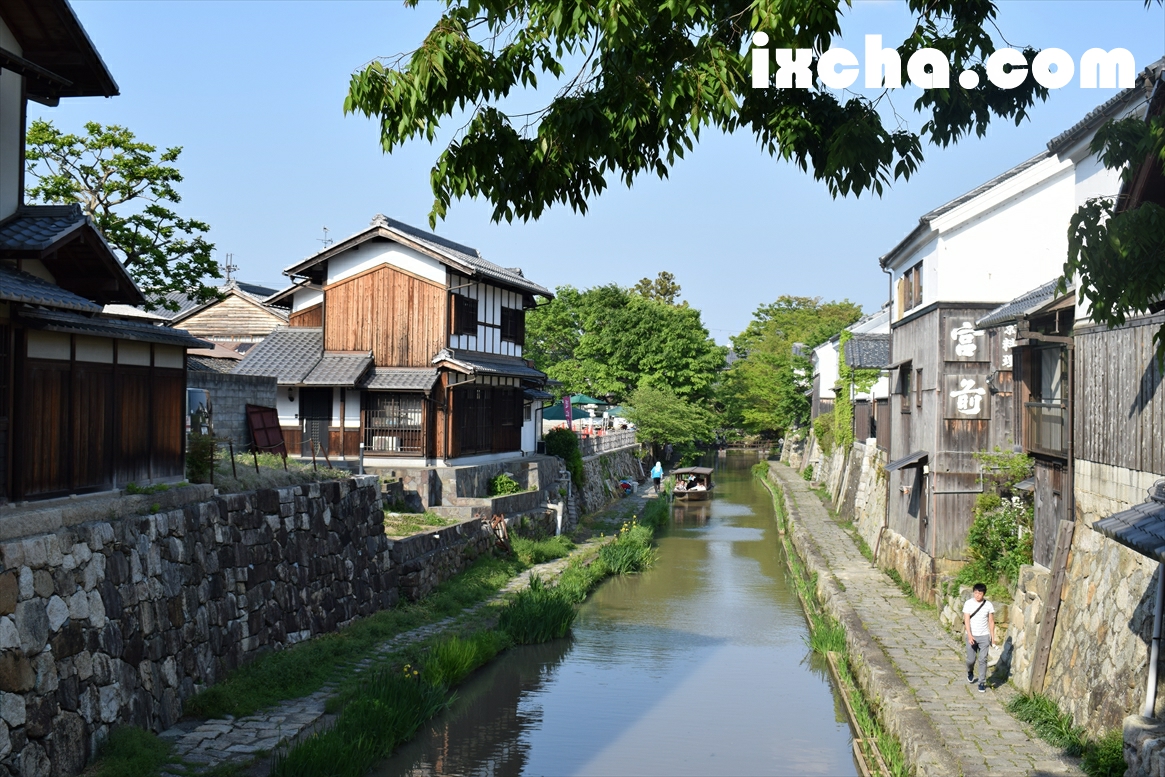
(907, 664)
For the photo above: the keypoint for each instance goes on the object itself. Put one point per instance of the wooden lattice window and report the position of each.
(394, 423)
(464, 315)
(513, 326)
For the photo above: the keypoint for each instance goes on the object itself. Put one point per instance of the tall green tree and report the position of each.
(653, 76)
(607, 341)
(663, 288)
(1119, 252)
(661, 417)
(764, 391)
(128, 188)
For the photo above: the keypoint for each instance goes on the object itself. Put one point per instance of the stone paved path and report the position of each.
(975, 727)
(206, 744)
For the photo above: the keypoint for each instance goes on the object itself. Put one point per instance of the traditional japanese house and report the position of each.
(241, 316)
(404, 346)
(952, 379)
(88, 401)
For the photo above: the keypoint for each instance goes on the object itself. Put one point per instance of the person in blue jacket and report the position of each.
(657, 475)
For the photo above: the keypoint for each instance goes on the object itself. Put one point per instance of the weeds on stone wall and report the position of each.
(503, 484)
(807, 473)
(564, 444)
(823, 428)
(399, 525)
(1102, 757)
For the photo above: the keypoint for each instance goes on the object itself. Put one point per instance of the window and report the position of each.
(464, 315)
(527, 412)
(1048, 383)
(910, 289)
(393, 424)
(514, 326)
(905, 372)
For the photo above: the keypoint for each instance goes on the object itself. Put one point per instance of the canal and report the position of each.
(698, 666)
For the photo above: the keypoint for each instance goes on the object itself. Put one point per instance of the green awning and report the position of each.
(583, 399)
(556, 412)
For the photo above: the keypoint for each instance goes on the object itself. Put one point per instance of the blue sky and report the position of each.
(254, 91)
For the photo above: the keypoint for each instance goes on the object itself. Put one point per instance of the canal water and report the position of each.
(699, 666)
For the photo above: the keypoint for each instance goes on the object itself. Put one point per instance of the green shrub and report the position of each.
(538, 614)
(807, 473)
(564, 444)
(131, 752)
(504, 484)
(199, 457)
(823, 428)
(1106, 756)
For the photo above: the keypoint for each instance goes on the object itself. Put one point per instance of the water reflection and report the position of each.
(698, 666)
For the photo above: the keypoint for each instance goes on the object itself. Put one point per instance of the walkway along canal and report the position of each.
(698, 666)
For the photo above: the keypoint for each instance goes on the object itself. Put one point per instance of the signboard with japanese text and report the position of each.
(966, 397)
(962, 342)
(568, 412)
(1006, 346)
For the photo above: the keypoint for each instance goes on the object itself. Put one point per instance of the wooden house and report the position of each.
(404, 346)
(241, 316)
(88, 401)
(953, 379)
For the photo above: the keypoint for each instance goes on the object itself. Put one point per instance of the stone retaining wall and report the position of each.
(603, 473)
(912, 564)
(118, 621)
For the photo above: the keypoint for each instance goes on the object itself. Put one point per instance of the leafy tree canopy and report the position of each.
(607, 341)
(764, 391)
(664, 288)
(639, 80)
(1118, 252)
(662, 417)
(127, 188)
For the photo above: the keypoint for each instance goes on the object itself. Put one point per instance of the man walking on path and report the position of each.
(979, 631)
(657, 475)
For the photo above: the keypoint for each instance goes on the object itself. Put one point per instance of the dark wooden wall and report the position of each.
(399, 317)
(1119, 412)
(85, 426)
(313, 316)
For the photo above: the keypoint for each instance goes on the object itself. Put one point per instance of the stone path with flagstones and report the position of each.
(204, 745)
(974, 728)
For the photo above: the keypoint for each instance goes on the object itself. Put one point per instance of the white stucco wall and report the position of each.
(377, 252)
(825, 357)
(11, 117)
(490, 301)
(288, 409)
(305, 298)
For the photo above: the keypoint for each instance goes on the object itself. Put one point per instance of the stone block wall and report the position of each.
(603, 473)
(914, 565)
(118, 621)
(229, 396)
(869, 510)
(1026, 617)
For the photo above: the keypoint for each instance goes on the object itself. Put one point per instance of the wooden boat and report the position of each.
(703, 479)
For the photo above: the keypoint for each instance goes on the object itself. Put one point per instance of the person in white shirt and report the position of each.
(979, 631)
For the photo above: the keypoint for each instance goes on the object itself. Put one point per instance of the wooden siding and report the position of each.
(313, 316)
(400, 317)
(1120, 409)
(233, 317)
(490, 301)
(84, 426)
(1051, 506)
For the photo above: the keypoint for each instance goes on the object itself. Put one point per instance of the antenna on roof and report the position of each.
(327, 241)
(229, 267)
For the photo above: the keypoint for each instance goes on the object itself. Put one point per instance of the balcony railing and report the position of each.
(602, 441)
(1046, 430)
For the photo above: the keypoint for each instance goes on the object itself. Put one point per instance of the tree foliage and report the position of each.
(663, 288)
(127, 187)
(764, 391)
(639, 80)
(660, 416)
(1118, 252)
(607, 341)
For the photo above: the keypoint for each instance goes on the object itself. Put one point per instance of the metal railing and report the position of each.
(601, 441)
(1047, 428)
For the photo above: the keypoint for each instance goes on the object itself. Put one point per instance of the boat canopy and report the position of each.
(692, 471)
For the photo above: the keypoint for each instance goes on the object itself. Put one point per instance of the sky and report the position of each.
(253, 92)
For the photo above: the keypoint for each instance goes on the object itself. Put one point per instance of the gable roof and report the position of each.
(58, 58)
(338, 369)
(72, 248)
(188, 307)
(1108, 109)
(461, 258)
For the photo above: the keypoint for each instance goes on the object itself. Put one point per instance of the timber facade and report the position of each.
(403, 348)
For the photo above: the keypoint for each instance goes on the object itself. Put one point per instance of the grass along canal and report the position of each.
(699, 665)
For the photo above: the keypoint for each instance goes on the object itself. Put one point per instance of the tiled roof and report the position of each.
(249, 291)
(209, 364)
(461, 257)
(537, 394)
(338, 369)
(868, 350)
(1109, 108)
(37, 227)
(16, 286)
(1024, 304)
(288, 354)
(61, 321)
(478, 363)
(400, 379)
(1141, 527)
